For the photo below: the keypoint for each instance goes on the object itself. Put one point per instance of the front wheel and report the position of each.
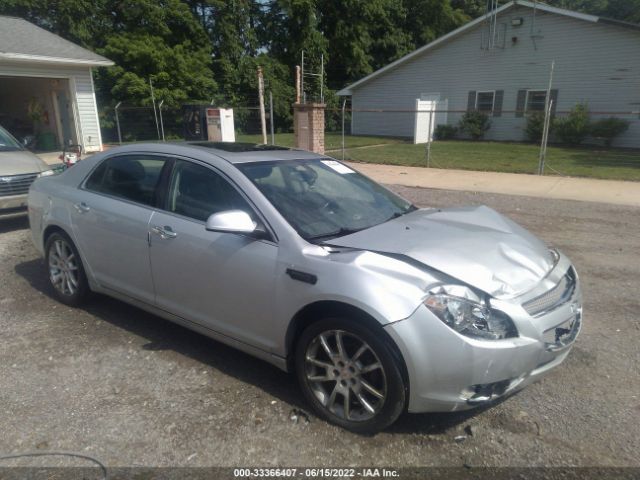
(349, 375)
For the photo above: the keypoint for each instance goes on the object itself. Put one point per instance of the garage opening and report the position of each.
(38, 111)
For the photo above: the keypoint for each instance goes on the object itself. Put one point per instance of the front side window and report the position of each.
(536, 100)
(7, 142)
(484, 102)
(197, 192)
(322, 199)
(130, 177)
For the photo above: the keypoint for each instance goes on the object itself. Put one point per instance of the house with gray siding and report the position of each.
(40, 71)
(500, 64)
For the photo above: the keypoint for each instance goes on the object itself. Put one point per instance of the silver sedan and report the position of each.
(376, 305)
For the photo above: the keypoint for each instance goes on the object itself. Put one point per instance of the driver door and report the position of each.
(223, 281)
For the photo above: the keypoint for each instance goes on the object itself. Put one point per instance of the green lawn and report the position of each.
(595, 162)
(615, 164)
(332, 141)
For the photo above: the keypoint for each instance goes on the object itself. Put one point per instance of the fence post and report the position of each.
(118, 123)
(429, 136)
(161, 122)
(155, 114)
(547, 120)
(344, 104)
(273, 137)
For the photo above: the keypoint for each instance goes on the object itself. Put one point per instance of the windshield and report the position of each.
(7, 142)
(324, 199)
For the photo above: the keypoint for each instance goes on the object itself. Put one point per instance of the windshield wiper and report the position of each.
(338, 233)
(412, 208)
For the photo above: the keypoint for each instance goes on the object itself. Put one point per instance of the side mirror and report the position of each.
(231, 221)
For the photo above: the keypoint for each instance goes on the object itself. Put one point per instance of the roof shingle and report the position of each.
(22, 40)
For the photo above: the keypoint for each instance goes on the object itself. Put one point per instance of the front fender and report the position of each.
(386, 289)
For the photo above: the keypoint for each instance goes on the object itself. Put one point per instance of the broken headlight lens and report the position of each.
(468, 314)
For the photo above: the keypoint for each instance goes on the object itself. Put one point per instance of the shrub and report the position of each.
(573, 128)
(608, 129)
(535, 126)
(445, 132)
(474, 124)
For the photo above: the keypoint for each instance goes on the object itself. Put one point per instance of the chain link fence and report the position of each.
(580, 141)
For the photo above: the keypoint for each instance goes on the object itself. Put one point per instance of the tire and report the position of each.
(360, 389)
(66, 272)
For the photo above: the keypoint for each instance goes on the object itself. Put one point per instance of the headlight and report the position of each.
(46, 173)
(464, 311)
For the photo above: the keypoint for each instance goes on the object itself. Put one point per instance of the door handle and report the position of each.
(82, 207)
(165, 232)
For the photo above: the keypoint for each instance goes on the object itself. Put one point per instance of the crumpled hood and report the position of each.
(476, 245)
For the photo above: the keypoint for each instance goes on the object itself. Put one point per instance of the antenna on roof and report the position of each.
(491, 17)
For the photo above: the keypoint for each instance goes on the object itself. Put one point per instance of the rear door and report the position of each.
(223, 281)
(111, 222)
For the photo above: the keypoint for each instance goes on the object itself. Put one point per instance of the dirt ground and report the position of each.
(131, 389)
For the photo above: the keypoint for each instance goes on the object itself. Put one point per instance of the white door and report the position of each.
(425, 120)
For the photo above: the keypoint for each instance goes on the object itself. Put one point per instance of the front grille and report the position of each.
(552, 299)
(16, 184)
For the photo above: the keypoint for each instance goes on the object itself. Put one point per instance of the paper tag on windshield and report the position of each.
(337, 166)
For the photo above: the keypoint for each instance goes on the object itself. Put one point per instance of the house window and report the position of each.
(536, 100)
(485, 101)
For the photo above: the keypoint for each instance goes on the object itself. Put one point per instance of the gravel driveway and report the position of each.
(132, 389)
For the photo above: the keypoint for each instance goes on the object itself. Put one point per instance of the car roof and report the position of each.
(232, 152)
(242, 152)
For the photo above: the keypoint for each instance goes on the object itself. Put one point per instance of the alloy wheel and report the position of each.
(63, 268)
(345, 375)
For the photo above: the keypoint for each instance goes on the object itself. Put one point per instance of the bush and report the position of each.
(573, 128)
(608, 129)
(535, 126)
(445, 132)
(474, 124)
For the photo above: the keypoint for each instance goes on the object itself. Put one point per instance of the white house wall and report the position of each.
(80, 82)
(594, 63)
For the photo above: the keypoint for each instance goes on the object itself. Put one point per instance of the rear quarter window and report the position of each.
(133, 178)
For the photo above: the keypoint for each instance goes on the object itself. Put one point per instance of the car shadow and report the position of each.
(12, 224)
(162, 334)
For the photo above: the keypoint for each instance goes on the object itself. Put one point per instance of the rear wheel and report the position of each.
(66, 273)
(349, 375)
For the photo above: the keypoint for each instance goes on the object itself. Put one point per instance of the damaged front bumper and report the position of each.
(449, 371)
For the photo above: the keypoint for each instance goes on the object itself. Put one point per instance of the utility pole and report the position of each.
(297, 83)
(263, 122)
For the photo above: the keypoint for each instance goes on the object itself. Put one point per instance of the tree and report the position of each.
(157, 40)
(81, 21)
(362, 37)
(429, 19)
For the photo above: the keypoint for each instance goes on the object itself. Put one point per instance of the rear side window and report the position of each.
(133, 178)
(197, 192)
